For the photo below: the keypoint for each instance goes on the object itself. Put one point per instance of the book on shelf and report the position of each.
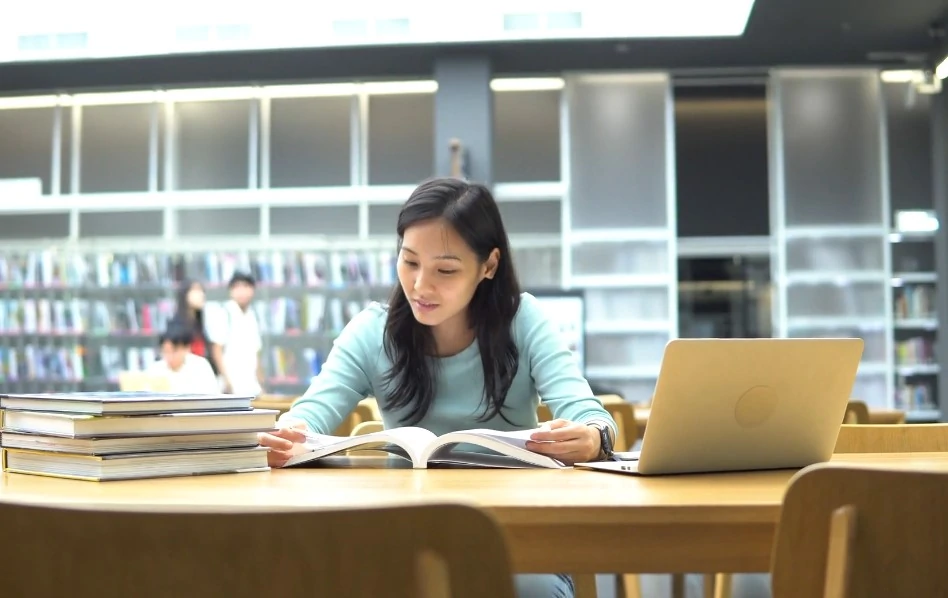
(123, 402)
(465, 448)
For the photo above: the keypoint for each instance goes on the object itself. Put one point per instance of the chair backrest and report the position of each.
(892, 438)
(857, 412)
(862, 533)
(397, 552)
(367, 427)
(281, 403)
(133, 380)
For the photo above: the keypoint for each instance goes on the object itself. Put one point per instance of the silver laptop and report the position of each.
(744, 404)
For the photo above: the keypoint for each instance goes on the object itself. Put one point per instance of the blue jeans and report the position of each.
(536, 585)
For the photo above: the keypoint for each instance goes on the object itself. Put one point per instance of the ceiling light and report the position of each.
(941, 71)
(902, 76)
(916, 221)
(47, 101)
(527, 84)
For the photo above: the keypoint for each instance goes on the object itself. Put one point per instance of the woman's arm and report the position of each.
(345, 378)
(557, 376)
(559, 381)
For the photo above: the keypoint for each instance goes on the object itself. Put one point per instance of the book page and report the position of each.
(411, 441)
(467, 445)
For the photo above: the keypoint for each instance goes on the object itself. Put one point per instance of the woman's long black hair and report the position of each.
(183, 312)
(471, 211)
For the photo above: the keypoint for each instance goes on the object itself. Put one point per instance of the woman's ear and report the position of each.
(490, 266)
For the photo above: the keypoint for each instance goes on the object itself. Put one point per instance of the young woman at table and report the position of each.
(458, 347)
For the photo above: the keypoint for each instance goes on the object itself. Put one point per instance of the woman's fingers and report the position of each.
(274, 441)
(559, 430)
(277, 458)
(566, 441)
(295, 435)
(558, 449)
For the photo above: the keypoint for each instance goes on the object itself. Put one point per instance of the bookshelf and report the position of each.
(913, 226)
(299, 184)
(830, 212)
(915, 324)
(620, 242)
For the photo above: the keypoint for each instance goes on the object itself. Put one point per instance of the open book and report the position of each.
(465, 448)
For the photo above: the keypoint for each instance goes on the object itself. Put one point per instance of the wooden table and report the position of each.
(555, 520)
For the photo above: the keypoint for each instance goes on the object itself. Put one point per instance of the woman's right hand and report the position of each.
(284, 443)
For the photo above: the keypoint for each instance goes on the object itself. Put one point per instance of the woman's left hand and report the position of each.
(566, 441)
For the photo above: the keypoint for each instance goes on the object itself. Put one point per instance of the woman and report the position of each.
(189, 312)
(458, 347)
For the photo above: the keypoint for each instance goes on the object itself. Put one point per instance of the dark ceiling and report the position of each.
(780, 32)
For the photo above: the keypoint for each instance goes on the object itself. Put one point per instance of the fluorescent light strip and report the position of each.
(941, 71)
(902, 76)
(399, 87)
(30, 102)
(309, 91)
(117, 98)
(211, 94)
(528, 84)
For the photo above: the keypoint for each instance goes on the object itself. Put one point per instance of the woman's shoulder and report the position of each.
(367, 327)
(529, 314)
(530, 308)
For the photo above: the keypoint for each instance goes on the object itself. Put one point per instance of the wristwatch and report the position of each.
(605, 442)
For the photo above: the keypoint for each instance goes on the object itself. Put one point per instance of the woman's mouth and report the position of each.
(424, 306)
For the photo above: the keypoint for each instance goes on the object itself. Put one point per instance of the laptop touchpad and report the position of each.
(628, 455)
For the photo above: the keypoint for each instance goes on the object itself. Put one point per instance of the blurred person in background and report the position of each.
(184, 371)
(189, 312)
(235, 340)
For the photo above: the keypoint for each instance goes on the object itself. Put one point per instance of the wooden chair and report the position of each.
(281, 403)
(883, 438)
(886, 416)
(133, 380)
(397, 552)
(857, 412)
(862, 533)
(367, 427)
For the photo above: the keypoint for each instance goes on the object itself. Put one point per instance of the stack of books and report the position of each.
(131, 435)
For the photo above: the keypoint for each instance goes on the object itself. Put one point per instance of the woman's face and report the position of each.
(196, 297)
(439, 272)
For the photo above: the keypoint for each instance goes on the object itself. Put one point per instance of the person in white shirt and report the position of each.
(184, 371)
(236, 342)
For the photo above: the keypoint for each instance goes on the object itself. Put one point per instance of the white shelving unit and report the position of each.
(915, 315)
(830, 211)
(620, 232)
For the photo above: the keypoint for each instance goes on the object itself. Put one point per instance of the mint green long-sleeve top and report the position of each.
(357, 364)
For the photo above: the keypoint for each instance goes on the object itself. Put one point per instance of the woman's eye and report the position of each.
(410, 264)
(447, 272)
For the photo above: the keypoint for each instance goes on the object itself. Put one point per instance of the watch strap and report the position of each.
(606, 449)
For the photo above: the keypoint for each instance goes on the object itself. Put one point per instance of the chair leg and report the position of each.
(585, 585)
(707, 585)
(722, 585)
(628, 586)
